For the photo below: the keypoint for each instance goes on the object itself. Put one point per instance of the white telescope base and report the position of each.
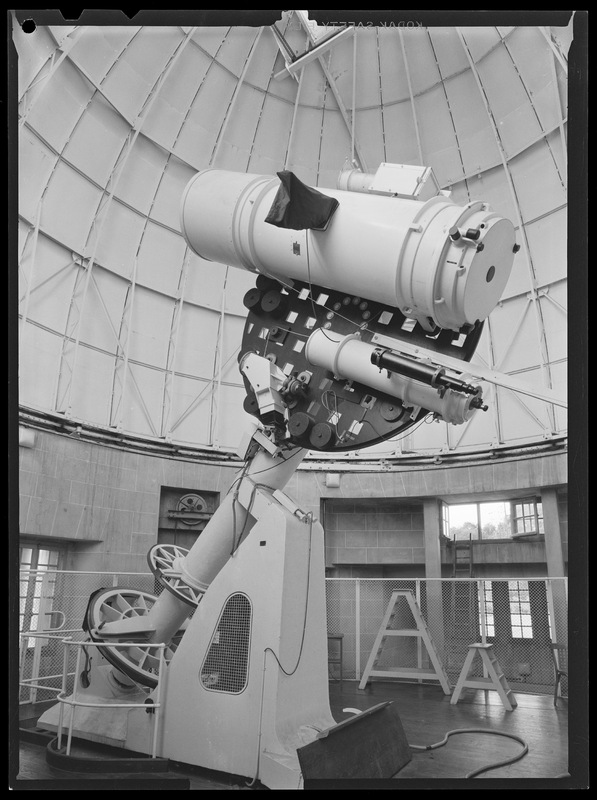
(255, 732)
(107, 724)
(277, 699)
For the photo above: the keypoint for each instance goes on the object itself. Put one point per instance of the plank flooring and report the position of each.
(427, 717)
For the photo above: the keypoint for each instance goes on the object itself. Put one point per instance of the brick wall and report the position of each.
(374, 533)
(103, 501)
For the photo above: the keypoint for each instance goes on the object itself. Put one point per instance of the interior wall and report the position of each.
(386, 539)
(380, 534)
(104, 501)
(363, 546)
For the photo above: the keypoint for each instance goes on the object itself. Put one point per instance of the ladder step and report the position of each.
(414, 672)
(478, 683)
(420, 632)
(497, 681)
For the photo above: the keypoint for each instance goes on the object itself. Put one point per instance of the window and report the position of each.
(486, 617)
(527, 517)
(445, 520)
(38, 564)
(520, 610)
(478, 521)
(463, 522)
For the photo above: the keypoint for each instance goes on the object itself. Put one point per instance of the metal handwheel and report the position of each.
(162, 560)
(140, 662)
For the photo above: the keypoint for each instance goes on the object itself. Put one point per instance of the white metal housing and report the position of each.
(406, 253)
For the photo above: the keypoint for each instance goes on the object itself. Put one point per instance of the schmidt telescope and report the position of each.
(346, 279)
(369, 302)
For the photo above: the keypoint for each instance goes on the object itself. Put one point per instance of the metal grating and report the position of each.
(225, 667)
(518, 618)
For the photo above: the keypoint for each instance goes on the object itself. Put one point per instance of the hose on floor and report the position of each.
(474, 773)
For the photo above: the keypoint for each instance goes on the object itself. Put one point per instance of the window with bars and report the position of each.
(37, 585)
(520, 610)
(527, 517)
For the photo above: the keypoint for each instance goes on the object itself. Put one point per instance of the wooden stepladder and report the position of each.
(421, 631)
(495, 678)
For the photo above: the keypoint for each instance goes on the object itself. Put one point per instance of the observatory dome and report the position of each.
(125, 330)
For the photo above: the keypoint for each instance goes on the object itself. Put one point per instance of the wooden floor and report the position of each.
(427, 717)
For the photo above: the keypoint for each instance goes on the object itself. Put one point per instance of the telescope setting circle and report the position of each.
(139, 663)
(161, 559)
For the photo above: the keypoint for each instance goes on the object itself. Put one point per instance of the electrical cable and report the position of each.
(234, 539)
(298, 661)
(269, 649)
(427, 419)
(85, 680)
(241, 475)
(335, 414)
(248, 514)
(309, 274)
(255, 777)
(310, 284)
(235, 488)
(289, 287)
(480, 770)
(358, 327)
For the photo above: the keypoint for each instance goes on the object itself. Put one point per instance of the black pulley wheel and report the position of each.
(321, 435)
(274, 303)
(252, 299)
(264, 283)
(391, 412)
(299, 424)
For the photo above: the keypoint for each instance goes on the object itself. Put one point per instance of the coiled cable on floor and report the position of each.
(476, 772)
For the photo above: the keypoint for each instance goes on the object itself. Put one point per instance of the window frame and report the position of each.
(534, 515)
(31, 585)
(515, 605)
(486, 610)
(479, 537)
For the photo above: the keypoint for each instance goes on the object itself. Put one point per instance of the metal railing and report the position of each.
(520, 618)
(64, 597)
(37, 681)
(74, 701)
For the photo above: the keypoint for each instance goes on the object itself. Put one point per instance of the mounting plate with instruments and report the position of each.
(325, 411)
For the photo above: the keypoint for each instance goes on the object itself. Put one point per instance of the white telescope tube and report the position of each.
(412, 255)
(350, 358)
